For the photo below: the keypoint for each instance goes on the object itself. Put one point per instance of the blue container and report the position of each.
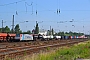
(62, 37)
(66, 37)
(76, 37)
(72, 37)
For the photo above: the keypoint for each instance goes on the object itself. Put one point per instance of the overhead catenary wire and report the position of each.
(50, 21)
(58, 7)
(26, 7)
(26, 4)
(29, 4)
(43, 10)
(32, 7)
(12, 3)
(36, 7)
(16, 9)
(46, 11)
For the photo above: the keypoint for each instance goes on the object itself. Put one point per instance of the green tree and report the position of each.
(0, 29)
(17, 29)
(28, 32)
(11, 31)
(55, 34)
(20, 31)
(36, 29)
(52, 31)
(61, 33)
(49, 32)
(71, 33)
(6, 29)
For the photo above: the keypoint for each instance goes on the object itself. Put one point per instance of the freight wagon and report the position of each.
(3, 37)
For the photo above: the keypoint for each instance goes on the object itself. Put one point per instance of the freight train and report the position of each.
(35, 37)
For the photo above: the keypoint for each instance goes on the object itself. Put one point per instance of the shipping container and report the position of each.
(62, 37)
(57, 37)
(72, 37)
(76, 37)
(66, 37)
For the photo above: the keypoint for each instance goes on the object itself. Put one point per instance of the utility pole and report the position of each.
(2, 25)
(13, 25)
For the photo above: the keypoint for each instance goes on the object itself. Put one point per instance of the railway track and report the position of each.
(13, 52)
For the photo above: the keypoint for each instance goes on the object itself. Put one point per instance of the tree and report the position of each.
(11, 31)
(49, 32)
(36, 29)
(61, 33)
(6, 29)
(28, 32)
(55, 34)
(71, 33)
(20, 31)
(52, 31)
(17, 29)
(0, 29)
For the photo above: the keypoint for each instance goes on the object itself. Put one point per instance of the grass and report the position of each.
(81, 50)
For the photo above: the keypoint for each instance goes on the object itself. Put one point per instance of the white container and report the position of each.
(57, 37)
(26, 37)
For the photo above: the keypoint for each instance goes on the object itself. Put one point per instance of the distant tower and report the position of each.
(13, 25)
(2, 25)
(50, 31)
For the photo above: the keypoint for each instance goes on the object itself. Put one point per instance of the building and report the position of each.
(43, 32)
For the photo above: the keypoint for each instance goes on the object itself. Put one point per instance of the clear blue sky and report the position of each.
(79, 10)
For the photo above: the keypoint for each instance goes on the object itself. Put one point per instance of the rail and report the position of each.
(21, 51)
